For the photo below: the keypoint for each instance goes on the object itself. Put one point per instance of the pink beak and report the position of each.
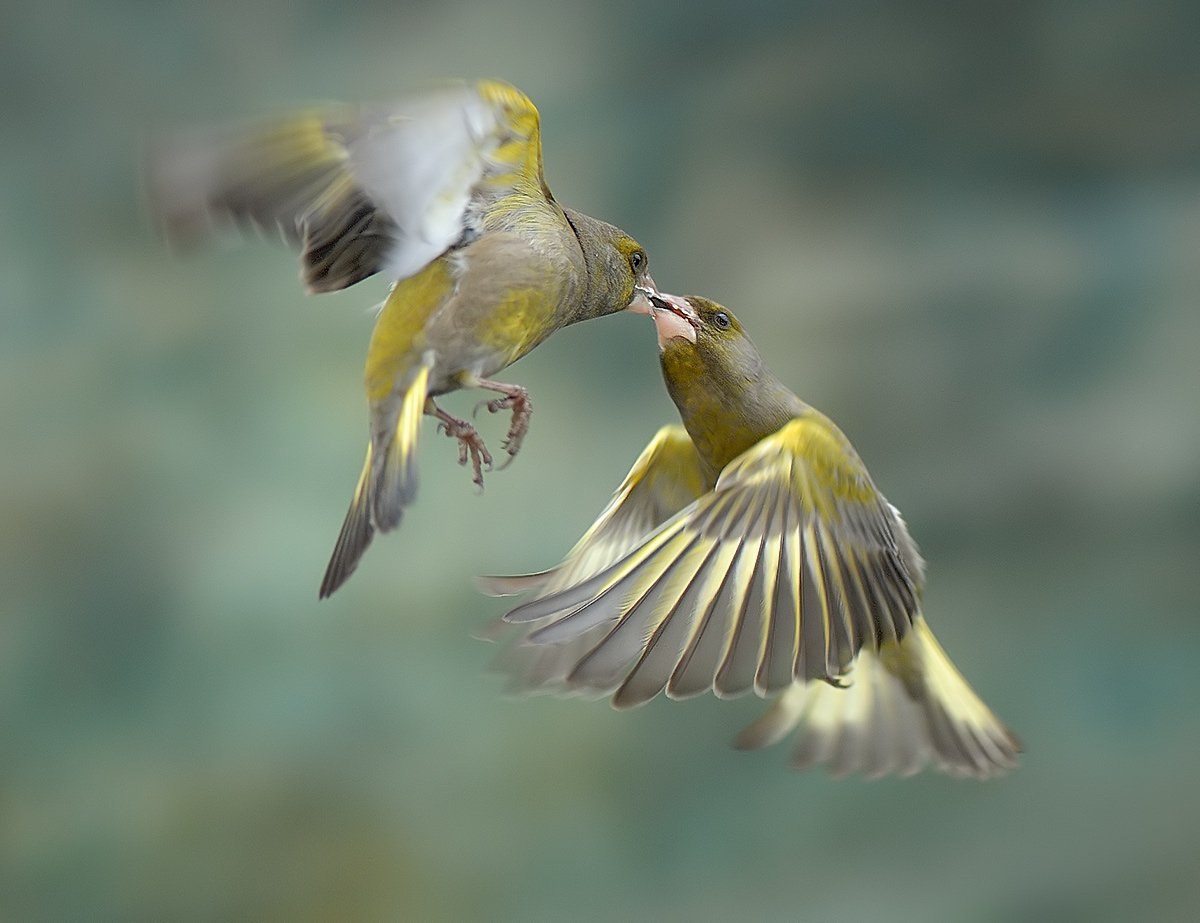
(674, 319)
(642, 293)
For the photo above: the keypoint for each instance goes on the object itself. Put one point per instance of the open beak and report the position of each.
(674, 318)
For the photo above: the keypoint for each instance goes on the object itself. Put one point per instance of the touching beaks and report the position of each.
(642, 295)
(676, 304)
(674, 318)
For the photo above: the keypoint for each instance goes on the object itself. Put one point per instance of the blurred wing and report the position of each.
(782, 572)
(359, 189)
(665, 478)
(906, 706)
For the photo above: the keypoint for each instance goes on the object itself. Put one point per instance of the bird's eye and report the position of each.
(721, 319)
(637, 261)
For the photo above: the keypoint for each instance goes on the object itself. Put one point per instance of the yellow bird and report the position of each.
(443, 192)
(749, 551)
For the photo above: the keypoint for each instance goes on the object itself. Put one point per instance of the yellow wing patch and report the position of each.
(782, 572)
(831, 474)
(517, 159)
(397, 333)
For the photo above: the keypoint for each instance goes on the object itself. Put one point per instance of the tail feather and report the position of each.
(394, 474)
(387, 485)
(357, 532)
(906, 706)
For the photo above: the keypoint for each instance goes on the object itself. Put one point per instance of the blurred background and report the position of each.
(971, 237)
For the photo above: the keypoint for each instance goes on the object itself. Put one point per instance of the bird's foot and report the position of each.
(518, 401)
(470, 443)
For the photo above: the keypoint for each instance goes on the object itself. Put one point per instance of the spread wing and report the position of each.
(360, 189)
(781, 573)
(665, 478)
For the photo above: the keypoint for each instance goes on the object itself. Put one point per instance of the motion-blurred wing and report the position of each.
(782, 572)
(906, 706)
(359, 189)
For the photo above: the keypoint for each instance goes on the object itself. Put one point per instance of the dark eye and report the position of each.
(721, 319)
(637, 261)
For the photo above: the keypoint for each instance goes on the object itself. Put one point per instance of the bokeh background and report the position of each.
(972, 236)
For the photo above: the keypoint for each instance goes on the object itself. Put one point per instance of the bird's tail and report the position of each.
(906, 705)
(388, 482)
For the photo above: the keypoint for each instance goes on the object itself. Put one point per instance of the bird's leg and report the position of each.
(470, 443)
(515, 399)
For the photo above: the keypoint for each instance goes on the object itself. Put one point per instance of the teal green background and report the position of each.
(971, 237)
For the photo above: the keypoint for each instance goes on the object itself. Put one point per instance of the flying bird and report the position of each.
(443, 192)
(749, 550)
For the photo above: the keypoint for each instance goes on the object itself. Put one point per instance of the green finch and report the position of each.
(443, 192)
(749, 551)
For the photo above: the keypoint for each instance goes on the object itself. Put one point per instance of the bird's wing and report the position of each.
(783, 572)
(906, 706)
(359, 188)
(665, 478)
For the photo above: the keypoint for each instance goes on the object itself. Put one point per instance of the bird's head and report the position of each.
(704, 324)
(629, 267)
(726, 396)
(618, 270)
(704, 349)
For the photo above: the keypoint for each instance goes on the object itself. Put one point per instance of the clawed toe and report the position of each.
(514, 398)
(517, 400)
(471, 446)
(516, 432)
(480, 456)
